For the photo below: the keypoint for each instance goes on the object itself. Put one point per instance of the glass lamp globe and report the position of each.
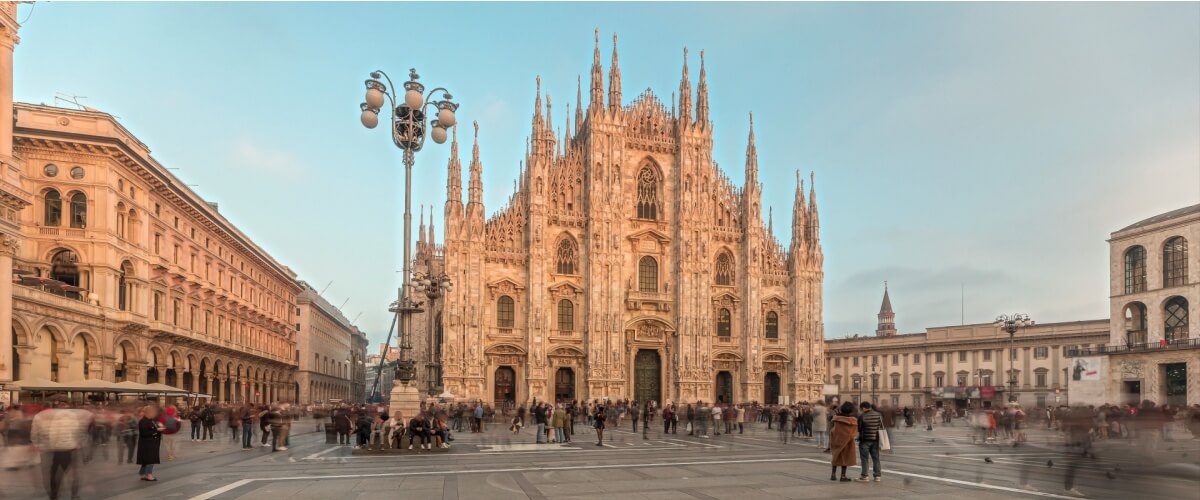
(446, 118)
(374, 98)
(413, 99)
(369, 118)
(439, 135)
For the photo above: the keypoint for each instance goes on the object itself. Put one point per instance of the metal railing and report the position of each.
(1139, 347)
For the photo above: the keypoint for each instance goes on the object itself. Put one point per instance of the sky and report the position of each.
(975, 156)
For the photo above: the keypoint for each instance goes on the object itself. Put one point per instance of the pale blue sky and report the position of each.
(990, 145)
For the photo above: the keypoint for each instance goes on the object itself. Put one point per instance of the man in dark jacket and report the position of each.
(870, 424)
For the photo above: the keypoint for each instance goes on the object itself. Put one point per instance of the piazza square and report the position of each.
(978, 281)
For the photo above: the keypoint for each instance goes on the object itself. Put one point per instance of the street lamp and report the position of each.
(409, 110)
(1012, 323)
(433, 287)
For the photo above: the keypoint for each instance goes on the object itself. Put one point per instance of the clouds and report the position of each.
(259, 158)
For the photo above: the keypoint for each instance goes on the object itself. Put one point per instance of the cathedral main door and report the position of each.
(564, 385)
(724, 387)
(647, 375)
(771, 389)
(505, 387)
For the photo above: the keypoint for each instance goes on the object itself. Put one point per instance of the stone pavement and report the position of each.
(497, 464)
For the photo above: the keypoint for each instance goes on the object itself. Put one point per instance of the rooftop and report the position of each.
(1166, 216)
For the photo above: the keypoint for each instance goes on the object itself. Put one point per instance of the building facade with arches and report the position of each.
(150, 283)
(626, 264)
(334, 352)
(1154, 289)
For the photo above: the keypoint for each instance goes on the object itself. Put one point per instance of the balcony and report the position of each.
(658, 301)
(1132, 348)
(36, 295)
(60, 232)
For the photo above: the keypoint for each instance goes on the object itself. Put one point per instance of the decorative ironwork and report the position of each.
(647, 194)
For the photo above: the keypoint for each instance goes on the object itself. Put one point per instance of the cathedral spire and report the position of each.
(614, 80)
(578, 103)
(567, 130)
(814, 221)
(799, 213)
(537, 107)
(685, 93)
(421, 229)
(771, 221)
(751, 159)
(597, 97)
(454, 172)
(431, 239)
(475, 190)
(702, 95)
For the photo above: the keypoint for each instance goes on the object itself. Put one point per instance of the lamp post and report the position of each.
(1011, 323)
(434, 287)
(409, 110)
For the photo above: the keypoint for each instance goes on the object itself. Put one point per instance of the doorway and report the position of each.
(564, 385)
(647, 373)
(505, 393)
(771, 389)
(1131, 391)
(724, 387)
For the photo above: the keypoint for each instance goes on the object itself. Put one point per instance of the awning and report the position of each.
(134, 387)
(165, 389)
(90, 385)
(200, 396)
(35, 384)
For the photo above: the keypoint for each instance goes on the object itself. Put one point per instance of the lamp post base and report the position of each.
(406, 399)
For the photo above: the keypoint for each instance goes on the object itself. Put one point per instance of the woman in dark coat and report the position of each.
(149, 438)
(342, 424)
(841, 441)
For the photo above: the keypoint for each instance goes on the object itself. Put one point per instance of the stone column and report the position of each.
(8, 246)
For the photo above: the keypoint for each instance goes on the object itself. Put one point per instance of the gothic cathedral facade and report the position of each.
(626, 265)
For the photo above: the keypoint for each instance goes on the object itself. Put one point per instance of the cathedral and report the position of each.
(626, 264)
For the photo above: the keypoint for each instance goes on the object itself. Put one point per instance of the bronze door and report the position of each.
(506, 383)
(724, 387)
(771, 389)
(647, 376)
(564, 385)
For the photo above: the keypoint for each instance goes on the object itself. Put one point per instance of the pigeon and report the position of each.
(1110, 475)
(930, 440)
(907, 481)
(988, 459)
(1049, 463)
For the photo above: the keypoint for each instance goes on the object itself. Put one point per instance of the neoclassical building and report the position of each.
(334, 352)
(157, 286)
(627, 265)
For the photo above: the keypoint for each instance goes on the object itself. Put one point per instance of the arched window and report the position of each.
(724, 269)
(1175, 262)
(1135, 270)
(772, 325)
(121, 225)
(567, 258)
(79, 211)
(506, 312)
(123, 287)
(724, 323)
(64, 268)
(566, 316)
(647, 194)
(53, 208)
(1176, 323)
(648, 275)
(1135, 323)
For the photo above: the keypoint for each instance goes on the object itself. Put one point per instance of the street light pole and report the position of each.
(433, 287)
(1010, 324)
(408, 130)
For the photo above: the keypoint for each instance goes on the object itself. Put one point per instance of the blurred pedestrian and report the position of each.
(870, 425)
(170, 425)
(841, 441)
(150, 432)
(61, 434)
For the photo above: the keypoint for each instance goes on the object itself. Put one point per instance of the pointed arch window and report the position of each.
(79, 211)
(566, 316)
(567, 257)
(724, 323)
(53, 209)
(506, 312)
(1135, 270)
(772, 325)
(648, 275)
(1175, 262)
(1176, 323)
(724, 269)
(647, 194)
